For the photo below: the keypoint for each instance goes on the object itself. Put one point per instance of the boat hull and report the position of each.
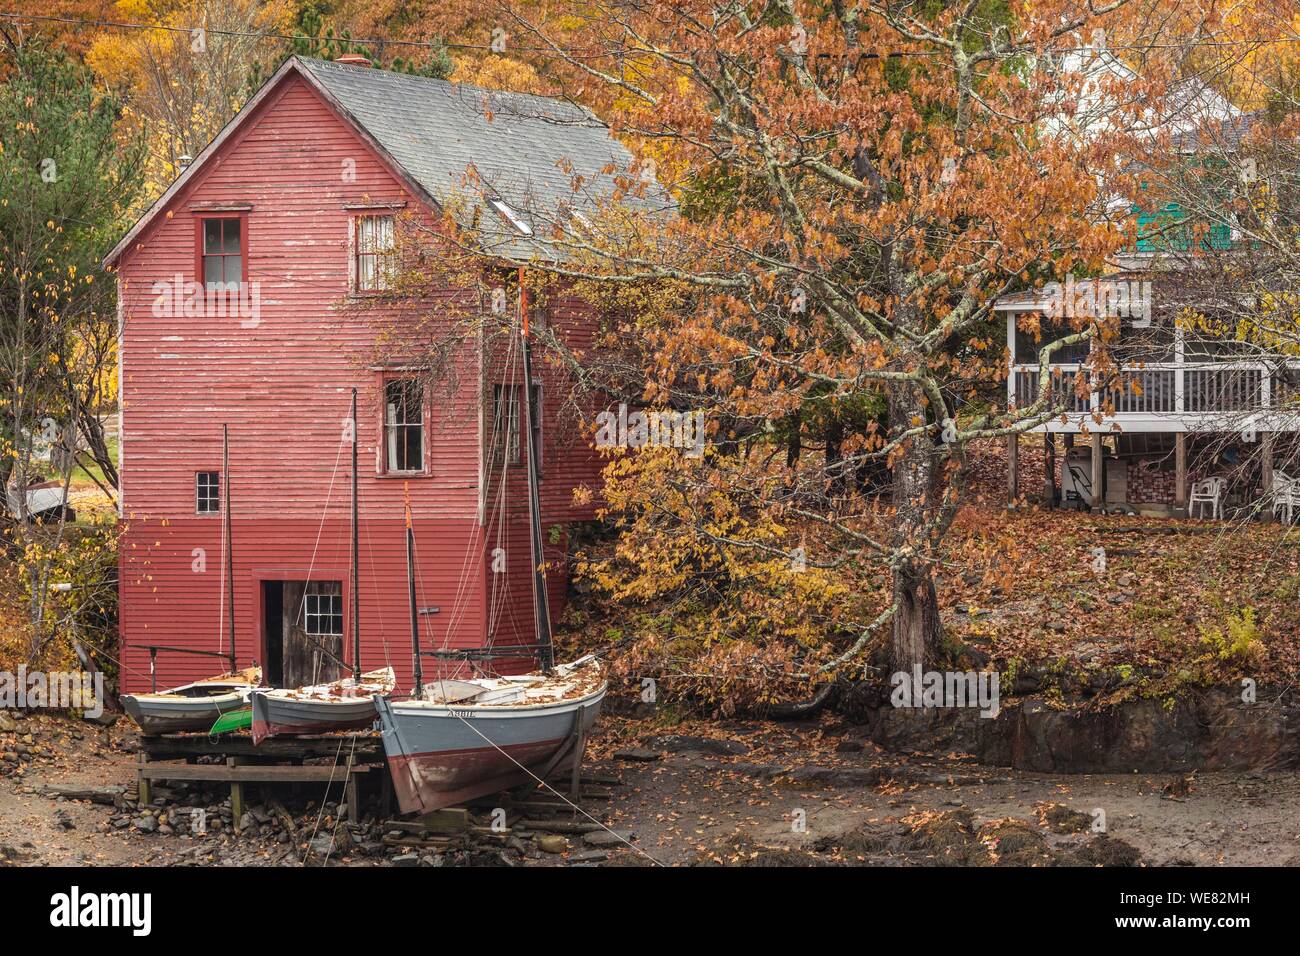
(156, 714)
(342, 705)
(275, 716)
(440, 756)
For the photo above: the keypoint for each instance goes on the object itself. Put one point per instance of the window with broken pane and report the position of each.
(375, 253)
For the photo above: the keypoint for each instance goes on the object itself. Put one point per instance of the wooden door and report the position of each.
(313, 632)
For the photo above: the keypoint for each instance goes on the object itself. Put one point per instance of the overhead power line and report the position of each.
(428, 44)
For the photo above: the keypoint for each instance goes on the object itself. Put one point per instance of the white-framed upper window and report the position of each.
(375, 257)
(404, 425)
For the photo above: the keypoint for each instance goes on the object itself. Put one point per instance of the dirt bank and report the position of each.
(740, 792)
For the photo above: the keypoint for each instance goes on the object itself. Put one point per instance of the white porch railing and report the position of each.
(1170, 397)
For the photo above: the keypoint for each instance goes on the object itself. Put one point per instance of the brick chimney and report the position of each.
(353, 59)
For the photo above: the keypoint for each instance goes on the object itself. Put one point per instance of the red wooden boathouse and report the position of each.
(290, 211)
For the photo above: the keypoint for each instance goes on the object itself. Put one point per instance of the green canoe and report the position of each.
(240, 719)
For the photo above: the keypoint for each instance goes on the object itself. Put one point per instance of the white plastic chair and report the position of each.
(1286, 495)
(1207, 492)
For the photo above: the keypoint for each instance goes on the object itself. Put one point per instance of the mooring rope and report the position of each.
(543, 783)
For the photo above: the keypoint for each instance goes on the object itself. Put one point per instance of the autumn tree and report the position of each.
(65, 184)
(185, 76)
(851, 187)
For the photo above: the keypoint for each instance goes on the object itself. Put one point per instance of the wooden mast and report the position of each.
(230, 545)
(541, 605)
(355, 586)
(410, 587)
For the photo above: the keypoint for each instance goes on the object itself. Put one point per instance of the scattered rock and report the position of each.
(682, 743)
(406, 859)
(607, 837)
(146, 823)
(835, 776)
(637, 754)
(552, 843)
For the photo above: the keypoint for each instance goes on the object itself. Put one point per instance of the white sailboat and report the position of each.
(455, 740)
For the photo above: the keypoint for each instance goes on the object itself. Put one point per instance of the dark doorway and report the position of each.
(303, 630)
(272, 631)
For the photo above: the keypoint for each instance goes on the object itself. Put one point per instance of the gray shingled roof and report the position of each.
(465, 146)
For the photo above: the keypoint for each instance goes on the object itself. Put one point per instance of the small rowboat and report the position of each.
(193, 706)
(463, 739)
(340, 705)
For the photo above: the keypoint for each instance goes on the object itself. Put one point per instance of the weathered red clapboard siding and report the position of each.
(282, 385)
(161, 589)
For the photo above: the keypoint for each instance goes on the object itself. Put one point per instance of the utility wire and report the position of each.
(489, 47)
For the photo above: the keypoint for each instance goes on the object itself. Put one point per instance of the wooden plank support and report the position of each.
(354, 797)
(579, 747)
(369, 748)
(142, 779)
(448, 820)
(244, 773)
(1180, 469)
(1013, 467)
(236, 793)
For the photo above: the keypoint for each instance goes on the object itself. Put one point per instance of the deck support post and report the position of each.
(1266, 472)
(1013, 467)
(354, 797)
(236, 795)
(1098, 473)
(142, 782)
(1180, 469)
(1049, 469)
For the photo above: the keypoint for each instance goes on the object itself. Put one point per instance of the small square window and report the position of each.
(207, 492)
(323, 608)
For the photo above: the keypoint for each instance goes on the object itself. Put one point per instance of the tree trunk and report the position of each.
(918, 632)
